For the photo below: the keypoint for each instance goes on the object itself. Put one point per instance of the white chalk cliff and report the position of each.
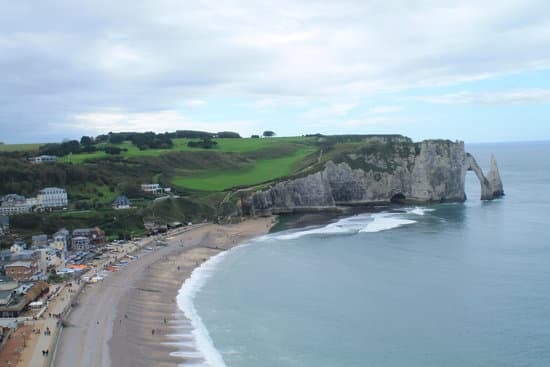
(394, 171)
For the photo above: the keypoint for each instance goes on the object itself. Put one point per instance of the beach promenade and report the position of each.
(35, 342)
(114, 321)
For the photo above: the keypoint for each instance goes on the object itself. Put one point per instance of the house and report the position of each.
(21, 270)
(152, 188)
(15, 253)
(52, 197)
(42, 159)
(95, 236)
(121, 202)
(49, 259)
(40, 240)
(15, 204)
(20, 297)
(80, 243)
(60, 240)
(18, 247)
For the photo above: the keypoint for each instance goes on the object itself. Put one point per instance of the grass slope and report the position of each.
(260, 171)
(243, 145)
(19, 147)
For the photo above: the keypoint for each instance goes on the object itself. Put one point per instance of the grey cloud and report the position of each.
(63, 58)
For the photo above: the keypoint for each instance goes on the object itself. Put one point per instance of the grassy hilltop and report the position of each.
(205, 173)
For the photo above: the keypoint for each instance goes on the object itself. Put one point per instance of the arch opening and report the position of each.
(472, 187)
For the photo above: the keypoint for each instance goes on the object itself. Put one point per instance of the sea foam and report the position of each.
(343, 226)
(419, 211)
(185, 298)
(383, 222)
(358, 224)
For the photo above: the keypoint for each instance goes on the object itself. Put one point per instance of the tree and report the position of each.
(116, 138)
(113, 150)
(193, 134)
(255, 136)
(228, 135)
(86, 140)
(205, 143)
(268, 133)
(101, 138)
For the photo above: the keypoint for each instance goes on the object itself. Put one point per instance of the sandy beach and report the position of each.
(127, 319)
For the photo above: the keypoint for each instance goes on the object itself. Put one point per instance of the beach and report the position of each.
(127, 319)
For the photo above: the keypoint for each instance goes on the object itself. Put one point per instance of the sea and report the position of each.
(462, 284)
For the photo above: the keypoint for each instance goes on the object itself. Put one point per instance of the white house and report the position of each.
(52, 197)
(15, 204)
(154, 188)
(16, 248)
(42, 159)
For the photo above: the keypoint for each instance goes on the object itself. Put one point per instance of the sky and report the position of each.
(477, 71)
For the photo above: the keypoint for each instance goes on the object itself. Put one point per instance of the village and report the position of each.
(41, 284)
(39, 280)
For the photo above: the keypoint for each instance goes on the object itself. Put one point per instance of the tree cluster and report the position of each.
(60, 149)
(205, 143)
(194, 134)
(147, 140)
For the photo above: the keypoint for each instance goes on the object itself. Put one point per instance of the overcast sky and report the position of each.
(478, 71)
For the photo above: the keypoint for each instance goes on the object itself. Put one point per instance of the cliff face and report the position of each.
(381, 172)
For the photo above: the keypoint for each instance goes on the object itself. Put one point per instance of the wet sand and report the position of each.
(127, 319)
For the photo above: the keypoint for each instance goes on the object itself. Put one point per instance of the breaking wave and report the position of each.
(362, 223)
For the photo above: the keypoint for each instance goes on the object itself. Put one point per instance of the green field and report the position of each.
(19, 147)
(180, 145)
(261, 171)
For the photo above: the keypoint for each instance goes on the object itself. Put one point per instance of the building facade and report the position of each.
(153, 188)
(21, 270)
(95, 236)
(60, 240)
(42, 159)
(40, 240)
(52, 197)
(121, 202)
(15, 204)
(80, 243)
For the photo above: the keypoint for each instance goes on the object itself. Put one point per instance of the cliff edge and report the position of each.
(380, 171)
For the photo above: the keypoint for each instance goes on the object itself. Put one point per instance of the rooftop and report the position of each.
(26, 264)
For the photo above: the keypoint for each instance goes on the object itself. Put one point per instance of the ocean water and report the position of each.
(441, 285)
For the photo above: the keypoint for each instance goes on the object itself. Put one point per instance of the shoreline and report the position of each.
(128, 318)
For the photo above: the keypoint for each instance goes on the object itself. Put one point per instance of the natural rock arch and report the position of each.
(489, 189)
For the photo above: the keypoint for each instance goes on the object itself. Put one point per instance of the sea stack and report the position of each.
(494, 179)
